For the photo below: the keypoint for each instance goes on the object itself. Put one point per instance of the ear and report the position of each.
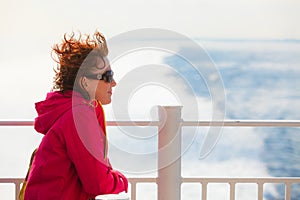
(84, 83)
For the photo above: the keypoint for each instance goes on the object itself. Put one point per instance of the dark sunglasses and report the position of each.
(107, 76)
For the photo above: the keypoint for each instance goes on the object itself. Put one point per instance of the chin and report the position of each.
(105, 102)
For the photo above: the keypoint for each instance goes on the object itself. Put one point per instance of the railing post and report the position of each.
(169, 153)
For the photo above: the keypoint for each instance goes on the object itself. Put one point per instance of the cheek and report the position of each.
(101, 92)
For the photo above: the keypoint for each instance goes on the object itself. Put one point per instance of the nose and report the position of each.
(113, 83)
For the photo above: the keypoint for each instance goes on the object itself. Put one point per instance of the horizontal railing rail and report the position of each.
(160, 181)
(235, 123)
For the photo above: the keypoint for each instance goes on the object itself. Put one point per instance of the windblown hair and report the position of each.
(76, 56)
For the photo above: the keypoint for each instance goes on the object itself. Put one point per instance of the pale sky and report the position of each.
(34, 24)
(194, 18)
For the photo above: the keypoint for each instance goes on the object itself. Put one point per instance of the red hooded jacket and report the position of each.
(71, 160)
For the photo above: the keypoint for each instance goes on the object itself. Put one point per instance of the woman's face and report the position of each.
(100, 89)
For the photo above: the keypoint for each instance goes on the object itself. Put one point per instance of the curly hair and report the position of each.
(72, 56)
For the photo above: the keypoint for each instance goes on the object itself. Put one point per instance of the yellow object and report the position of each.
(22, 191)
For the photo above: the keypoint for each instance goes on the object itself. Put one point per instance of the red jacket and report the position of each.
(71, 160)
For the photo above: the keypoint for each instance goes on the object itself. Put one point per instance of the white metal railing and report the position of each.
(169, 178)
(288, 182)
(16, 181)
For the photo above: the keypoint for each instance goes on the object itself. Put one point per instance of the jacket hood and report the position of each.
(54, 106)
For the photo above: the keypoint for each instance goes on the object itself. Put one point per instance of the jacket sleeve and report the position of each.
(85, 141)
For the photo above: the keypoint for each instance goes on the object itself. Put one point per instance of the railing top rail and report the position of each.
(197, 179)
(244, 180)
(241, 123)
(253, 123)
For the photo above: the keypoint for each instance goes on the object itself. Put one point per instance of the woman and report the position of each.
(71, 161)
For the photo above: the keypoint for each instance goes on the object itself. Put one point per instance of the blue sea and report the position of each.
(261, 82)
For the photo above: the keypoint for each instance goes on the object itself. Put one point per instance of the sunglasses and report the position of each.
(107, 76)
